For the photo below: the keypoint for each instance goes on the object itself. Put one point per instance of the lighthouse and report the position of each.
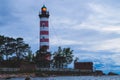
(43, 57)
(44, 28)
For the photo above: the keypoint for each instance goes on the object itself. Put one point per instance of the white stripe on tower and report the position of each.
(44, 19)
(44, 28)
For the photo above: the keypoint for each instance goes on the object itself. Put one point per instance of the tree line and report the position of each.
(15, 49)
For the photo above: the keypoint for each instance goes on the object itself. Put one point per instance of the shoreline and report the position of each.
(24, 75)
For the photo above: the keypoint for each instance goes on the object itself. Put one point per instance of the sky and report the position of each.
(89, 27)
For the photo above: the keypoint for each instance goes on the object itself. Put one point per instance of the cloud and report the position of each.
(6, 16)
(54, 41)
(112, 29)
(106, 45)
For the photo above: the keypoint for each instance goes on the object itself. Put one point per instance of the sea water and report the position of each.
(72, 78)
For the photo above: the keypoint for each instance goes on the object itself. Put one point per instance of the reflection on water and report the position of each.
(73, 78)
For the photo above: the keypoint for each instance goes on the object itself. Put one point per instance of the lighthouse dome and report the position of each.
(44, 8)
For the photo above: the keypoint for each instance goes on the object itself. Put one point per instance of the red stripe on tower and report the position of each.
(43, 23)
(44, 28)
(44, 40)
(44, 33)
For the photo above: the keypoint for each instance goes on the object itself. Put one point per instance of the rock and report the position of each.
(27, 78)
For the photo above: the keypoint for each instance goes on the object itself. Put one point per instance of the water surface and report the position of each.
(73, 78)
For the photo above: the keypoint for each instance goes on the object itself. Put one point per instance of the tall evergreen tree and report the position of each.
(5, 47)
(62, 57)
(1, 46)
(30, 56)
(21, 48)
(10, 46)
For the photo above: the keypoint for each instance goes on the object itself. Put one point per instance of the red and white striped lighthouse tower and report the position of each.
(44, 28)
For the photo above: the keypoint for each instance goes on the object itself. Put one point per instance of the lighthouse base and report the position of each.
(43, 59)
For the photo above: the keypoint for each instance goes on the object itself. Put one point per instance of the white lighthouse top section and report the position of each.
(44, 28)
(44, 19)
(44, 36)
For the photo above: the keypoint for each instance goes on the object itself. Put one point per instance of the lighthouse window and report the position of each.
(43, 37)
